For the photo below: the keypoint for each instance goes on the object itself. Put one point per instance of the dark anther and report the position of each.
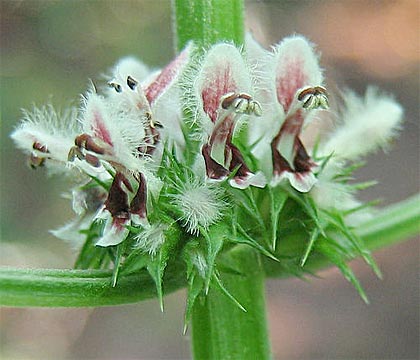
(116, 86)
(131, 83)
(38, 146)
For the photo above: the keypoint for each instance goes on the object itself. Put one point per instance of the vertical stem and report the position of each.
(208, 21)
(220, 329)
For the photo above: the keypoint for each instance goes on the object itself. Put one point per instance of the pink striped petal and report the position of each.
(223, 71)
(296, 66)
(168, 76)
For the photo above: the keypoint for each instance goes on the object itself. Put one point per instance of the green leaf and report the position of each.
(157, 264)
(117, 262)
(340, 261)
(214, 241)
(338, 221)
(222, 288)
(314, 235)
(195, 287)
(278, 198)
(248, 240)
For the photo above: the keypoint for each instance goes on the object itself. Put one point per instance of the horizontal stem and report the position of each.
(392, 224)
(77, 288)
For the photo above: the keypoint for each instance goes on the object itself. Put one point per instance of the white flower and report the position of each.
(200, 204)
(222, 90)
(47, 136)
(291, 85)
(151, 238)
(365, 125)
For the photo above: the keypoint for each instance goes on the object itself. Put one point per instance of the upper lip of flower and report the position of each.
(222, 91)
(294, 75)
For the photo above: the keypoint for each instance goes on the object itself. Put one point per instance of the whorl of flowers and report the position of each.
(154, 192)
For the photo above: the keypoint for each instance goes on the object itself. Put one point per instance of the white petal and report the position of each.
(169, 76)
(258, 179)
(71, 232)
(112, 234)
(367, 124)
(222, 71)
(55, 131)
(302, 182)
(118, 125)
(295, 65)
(130, 66)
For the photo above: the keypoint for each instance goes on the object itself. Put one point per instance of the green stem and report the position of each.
(72, 288)
(396, 222)
(78, 288)
(207, 22)
(220, 328)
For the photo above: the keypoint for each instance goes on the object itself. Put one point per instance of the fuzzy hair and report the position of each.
(151, 238)
(201, 205)
(367, 123)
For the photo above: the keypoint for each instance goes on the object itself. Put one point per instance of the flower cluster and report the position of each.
(213, 150)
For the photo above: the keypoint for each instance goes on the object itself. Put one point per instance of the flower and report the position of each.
(200, 204)
(169, 161)
(46, 135)
(291, 87)
(222, 92)
(364, 125)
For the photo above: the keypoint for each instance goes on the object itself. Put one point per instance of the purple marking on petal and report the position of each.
(117, 201)
(220, 83)
(293, 124)
(301, 162)
(238, 160)
(214, 170)
(223, 131)
(289, 83)
(138, 204)
(167, 77)
(99, 128)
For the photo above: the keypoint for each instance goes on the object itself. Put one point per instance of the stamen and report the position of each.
(36, 161)
(89, 143)
(241, 103)
(92, 160)
(314, 98)
(38, 146)
(74, 153)
(131, 83)
(116, 86)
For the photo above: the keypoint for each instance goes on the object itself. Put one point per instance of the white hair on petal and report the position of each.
(130, 66)
(151, 238)
(50, 129)
(368, 123)
(201, 205)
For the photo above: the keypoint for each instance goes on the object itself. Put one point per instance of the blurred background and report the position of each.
(48, 51)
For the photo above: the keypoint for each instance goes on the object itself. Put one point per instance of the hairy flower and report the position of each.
(46, 135)
(291, 84)
(365, 124)
(222, 89)
(170, 160)
(201, 205)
